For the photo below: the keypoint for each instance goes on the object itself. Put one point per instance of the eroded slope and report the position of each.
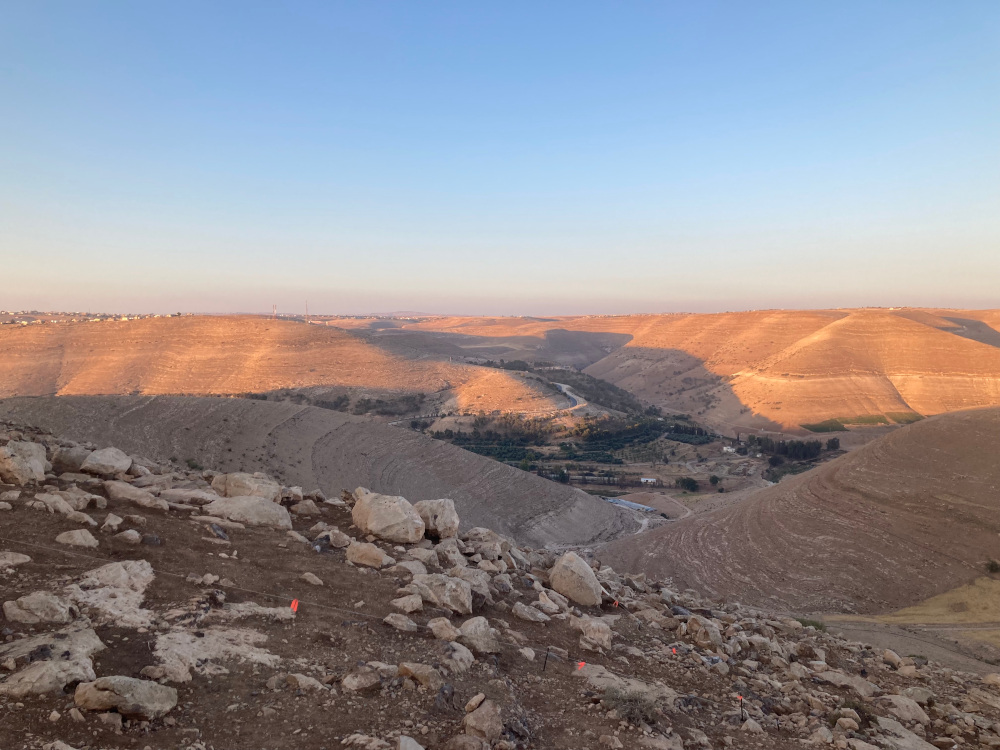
(906, 517)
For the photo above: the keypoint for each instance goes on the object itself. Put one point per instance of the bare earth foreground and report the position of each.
(906, 517)
(312, 447)
(140, 612)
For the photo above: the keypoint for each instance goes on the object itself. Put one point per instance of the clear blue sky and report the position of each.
(498, 158)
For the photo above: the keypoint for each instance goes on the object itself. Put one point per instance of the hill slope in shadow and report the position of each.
(312, 447)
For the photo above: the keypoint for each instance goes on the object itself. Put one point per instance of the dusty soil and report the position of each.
(312, 447)
(907, 517)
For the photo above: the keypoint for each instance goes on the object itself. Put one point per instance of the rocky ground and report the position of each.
(147, 606)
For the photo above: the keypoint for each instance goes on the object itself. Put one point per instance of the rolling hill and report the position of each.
(312, 447)
(211, 355)
(775, 369)
(906, 517)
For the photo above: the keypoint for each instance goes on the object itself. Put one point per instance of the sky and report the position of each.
(498, 158)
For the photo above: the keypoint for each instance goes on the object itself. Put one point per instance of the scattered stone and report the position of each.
(484, 722)
(312, 579)
(401, 623)
(12, 559)
(77, 538)
(368, 555)
(129, 537)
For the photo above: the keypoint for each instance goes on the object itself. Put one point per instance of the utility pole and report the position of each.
(274, 312)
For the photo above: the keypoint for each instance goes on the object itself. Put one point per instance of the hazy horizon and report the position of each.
(505, 160)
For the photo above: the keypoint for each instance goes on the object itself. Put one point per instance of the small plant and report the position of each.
(192, 464)
(807, 623)
(631, 706)
(993, 566)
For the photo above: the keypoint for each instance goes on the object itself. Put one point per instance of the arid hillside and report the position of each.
(156, 606)
(906, 517)
(313, 447)
(205, 355)
(766, 368)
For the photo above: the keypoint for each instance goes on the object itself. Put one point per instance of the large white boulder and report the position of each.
(22, 462)
(241, 484)
(40, 606)
(251, 510)
(388, 517)
(133, 699)
(572, 577)
(439, 516)
(106, 462)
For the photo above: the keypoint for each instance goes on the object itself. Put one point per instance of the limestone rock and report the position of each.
(305, 683)
(312, 579)
(21, 464)
(40, 606)
(363, 678)
(124, 491)
(251, 510)
(445, 591)
(106, 462)
(439, 516)
(60, 658)
(443, 630)
(388, 517)
(12, 559)
(484, 722)
(132, 698)
(426, 675)
(241, 484)
(905, 709)
(305, 508)
(77, 538)
(594, 630)
(477, 634)
(572, 577)
(523, 612)
(69, 458)
(189, 496)
(402, 623)
(408, 604)
(369, 555)
(129, 537)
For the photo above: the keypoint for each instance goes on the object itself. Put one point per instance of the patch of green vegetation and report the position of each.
(807, 623)
(866, 419)
(827, 425)
(390, 407)
(192, 464)
(993, 566)
(904, 417)
(775, 473)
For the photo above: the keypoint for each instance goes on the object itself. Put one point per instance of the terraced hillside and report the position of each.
(313, 447)
(205, 355)
(906, 517)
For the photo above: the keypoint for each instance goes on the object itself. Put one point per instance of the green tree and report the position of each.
(714, 480)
